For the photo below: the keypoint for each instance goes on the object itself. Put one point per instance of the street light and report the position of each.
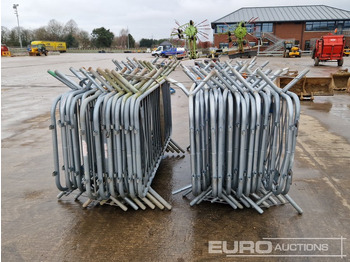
(19, 31)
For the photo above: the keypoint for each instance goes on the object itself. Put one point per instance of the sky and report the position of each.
(143, 18)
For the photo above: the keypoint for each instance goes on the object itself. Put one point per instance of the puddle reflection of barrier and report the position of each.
(243, 131)
(113, 127)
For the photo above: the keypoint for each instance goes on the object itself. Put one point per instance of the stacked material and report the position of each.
(113, 128)
(243, 131)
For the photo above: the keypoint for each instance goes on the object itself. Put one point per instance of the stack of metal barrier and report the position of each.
(243, 131)
(131, 64)
(114, 128)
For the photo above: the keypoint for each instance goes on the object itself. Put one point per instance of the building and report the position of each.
(304, 24)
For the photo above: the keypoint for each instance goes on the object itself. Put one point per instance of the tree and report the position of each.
(102, 37)
(83, 39)
(55, 30)
(13, 39)
(71, 41)
(131, 42)
(70, 32)
(40, 33)
(71, 27)
(123, 38)
(5, 35)
(10, 37)
(26, 36)
(144, 42)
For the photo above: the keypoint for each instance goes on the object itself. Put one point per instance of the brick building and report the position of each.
(304, 24)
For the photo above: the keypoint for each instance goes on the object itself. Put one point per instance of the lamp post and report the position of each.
(19, 31)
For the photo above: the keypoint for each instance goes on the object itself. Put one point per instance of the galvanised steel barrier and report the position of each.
(114, 128)
(243, 131)
(115, 125)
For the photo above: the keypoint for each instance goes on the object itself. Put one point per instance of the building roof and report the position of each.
(165, 43)
(285, 14)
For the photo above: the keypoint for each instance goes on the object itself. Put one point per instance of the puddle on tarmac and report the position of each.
(33, 195)
(341, 110)
(324, 107)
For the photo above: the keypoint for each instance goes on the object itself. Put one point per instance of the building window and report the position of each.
(308, 26)
(251, 28)
(262, 28)
(221, 29)
(307, 45)
(320, 26)
(267, 27)
(223, 45)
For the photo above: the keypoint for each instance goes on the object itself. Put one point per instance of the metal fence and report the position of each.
(113, 127)
(243, 131)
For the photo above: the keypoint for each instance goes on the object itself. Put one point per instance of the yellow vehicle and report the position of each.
(346, 51)
(52, 45)
(291, 50)
(37, 50)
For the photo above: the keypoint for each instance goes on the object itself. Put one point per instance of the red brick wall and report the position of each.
(223, 38)
(289, 30)
(220, 38)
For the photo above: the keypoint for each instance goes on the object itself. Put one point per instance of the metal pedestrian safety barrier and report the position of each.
(110, 131)
(243, 131)
(115, 126)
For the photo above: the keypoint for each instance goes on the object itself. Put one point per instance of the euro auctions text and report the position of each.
(280, 247)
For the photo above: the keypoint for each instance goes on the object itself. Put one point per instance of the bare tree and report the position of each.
(26, 36)
(71, 27)
(5, 35)
(123, 38)
(84, 39)
(55, 30)
(70, 34)
(40, 34)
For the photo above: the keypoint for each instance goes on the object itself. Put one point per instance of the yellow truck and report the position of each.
(51, 45)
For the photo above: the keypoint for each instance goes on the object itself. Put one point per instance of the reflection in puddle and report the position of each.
(324, 107)
(342, 111)
(339, 109)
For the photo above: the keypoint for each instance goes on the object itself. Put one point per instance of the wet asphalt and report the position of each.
(35, 226)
